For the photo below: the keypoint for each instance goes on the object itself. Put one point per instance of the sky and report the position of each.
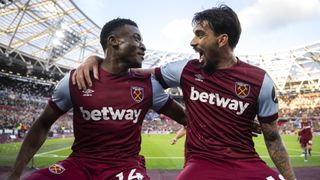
(267, 25)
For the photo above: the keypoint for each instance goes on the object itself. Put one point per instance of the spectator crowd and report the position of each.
(22, 101)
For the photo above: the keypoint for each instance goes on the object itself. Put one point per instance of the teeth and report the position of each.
(201, 59)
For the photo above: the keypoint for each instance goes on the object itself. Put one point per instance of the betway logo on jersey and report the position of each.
(215, 98)
(108, 113)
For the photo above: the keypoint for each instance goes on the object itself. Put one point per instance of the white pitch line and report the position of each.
(290, 156)
(298, 150)
(49, 152)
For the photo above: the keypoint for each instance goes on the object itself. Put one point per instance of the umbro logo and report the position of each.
(87, 92)
(198, 77)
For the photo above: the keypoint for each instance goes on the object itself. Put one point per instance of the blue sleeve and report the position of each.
(61, 94)
(171, 72)
(267, 101)
(160, 98)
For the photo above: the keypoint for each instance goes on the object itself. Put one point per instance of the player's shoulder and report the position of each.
(180, 63)
(250, 71)
(193, 63)
(140, 76)
(244, 64)
(70, 73)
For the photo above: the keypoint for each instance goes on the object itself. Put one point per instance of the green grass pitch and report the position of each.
(157, 150)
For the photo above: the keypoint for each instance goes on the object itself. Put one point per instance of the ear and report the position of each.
(223, 40)
(113, 40)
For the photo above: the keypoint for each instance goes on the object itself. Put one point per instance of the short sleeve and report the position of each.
(160, 98)
(60, 99)
(169, 75)
(267, 101)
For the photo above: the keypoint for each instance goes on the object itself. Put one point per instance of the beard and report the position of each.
(209, 67)
(212, 58)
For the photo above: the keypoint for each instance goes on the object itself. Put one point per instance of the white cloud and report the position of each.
(176, 36)
(177, 29)
(269, 14)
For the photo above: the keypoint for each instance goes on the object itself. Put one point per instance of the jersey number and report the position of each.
(132, 175)
(271, 178)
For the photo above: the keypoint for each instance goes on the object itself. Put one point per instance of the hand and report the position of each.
(173, 141)
(81, 76)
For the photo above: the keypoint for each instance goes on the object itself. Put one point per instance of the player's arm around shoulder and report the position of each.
(164, 104)
(81, 77)
(176, 112)
(277, 150)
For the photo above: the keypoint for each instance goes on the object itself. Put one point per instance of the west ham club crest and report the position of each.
(242, 89)
(137, 93)
(56, 169)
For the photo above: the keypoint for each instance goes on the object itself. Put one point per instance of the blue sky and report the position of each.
(267, 25)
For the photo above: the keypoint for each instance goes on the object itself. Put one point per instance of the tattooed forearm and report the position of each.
(277, 150)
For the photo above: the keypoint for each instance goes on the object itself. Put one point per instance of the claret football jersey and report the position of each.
(221, 106)
(305, 131)
(107, 117)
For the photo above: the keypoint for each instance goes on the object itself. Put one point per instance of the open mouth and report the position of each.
(201, 55)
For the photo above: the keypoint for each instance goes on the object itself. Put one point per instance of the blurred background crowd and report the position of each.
(22, 101)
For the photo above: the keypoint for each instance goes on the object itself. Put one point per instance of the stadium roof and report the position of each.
(57, 34)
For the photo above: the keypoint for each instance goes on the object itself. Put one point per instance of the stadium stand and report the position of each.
(20, 108)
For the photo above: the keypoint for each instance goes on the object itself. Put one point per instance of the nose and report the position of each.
(193, 42)
(142, 47)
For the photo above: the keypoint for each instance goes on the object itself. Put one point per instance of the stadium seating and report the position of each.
(22, 100)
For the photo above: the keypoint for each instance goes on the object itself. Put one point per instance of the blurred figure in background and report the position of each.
(305, 137)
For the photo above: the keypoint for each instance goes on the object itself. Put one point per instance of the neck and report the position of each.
(113, 66)
(226, 61)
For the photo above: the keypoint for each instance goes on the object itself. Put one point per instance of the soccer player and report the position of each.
(107, 117)
(179, 134)
(305, 137)
(223, 95)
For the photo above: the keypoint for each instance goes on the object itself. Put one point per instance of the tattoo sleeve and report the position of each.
(277, 150)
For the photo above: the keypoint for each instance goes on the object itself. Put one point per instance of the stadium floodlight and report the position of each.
(60, 34)
(56, 42)
(63, 42)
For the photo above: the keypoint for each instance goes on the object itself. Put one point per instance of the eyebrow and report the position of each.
(138, 35)
(197, 31)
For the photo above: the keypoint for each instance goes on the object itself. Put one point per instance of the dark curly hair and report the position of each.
(110, 26)
(221, 20)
